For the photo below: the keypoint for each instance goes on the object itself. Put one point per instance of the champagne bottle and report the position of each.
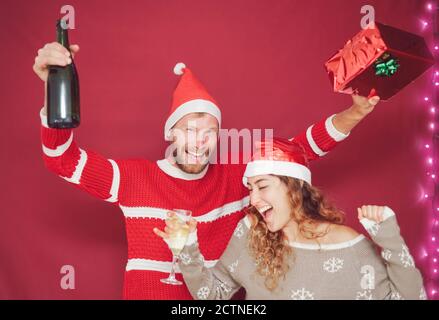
(63, 89)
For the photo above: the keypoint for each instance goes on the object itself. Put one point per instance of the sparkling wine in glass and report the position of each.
(177, 240)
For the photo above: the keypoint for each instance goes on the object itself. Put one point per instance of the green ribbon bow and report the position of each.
(386, 66)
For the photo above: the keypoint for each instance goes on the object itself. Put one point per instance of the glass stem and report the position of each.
(174, 262)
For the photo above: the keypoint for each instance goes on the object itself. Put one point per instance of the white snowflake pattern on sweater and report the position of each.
(203, 293)
(373, 229)
(364, 295)
(406, 258)
(239, 231)
(386, 254)
(396, 296)
(333, 265)
(302, 294)
(224, 286)
(232, 267)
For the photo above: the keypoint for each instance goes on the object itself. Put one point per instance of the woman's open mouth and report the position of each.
(266, 212)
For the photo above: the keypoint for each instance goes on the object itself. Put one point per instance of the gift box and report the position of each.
(380, 59)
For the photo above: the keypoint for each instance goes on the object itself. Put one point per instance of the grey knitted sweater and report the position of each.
(348, 270)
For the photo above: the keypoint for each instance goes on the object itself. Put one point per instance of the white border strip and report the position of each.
(76, 176)
(144, 212)
(114, 191)
(160, 266)
(159, 213)
(332, 130)
(281, 168)
(225, 210)
(59, 151)
(43, 119)
(175, 172)
(312, 143)
(334, 246)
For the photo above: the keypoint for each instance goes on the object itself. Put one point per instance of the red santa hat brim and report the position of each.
(280, 168)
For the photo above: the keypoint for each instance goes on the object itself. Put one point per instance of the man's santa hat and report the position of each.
(280, 157)
(189, 96)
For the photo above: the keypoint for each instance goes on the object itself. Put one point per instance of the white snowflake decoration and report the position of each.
(203, 293)
(364, 295)
(224, 286)
(396, 296)
(239, 231)
(386, 254)
(333, 265)
(406, 258)
(232, 267)
(185, 258)
(423, 294)
(302, 294)
(373, 229)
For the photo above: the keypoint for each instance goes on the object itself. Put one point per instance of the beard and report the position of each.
(192, 168)
(181, 160)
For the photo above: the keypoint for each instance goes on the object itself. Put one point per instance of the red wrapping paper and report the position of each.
(352, 69)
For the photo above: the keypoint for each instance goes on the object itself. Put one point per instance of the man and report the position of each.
(146, 190)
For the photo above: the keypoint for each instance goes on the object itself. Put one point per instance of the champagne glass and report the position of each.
(177, 240)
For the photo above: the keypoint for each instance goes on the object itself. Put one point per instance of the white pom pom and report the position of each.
(178, 69)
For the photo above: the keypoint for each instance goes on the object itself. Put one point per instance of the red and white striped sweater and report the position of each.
(145, 190)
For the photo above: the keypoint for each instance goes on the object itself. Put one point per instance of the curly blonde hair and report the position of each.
(270, 249)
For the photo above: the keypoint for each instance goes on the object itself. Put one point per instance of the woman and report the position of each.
(293, 245)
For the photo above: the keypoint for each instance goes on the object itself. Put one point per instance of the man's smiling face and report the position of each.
(194, 138)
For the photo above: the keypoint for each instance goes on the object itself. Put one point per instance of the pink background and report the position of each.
(263, 62)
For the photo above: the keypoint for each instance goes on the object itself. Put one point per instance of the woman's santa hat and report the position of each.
(189, 96)
(280, 157)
